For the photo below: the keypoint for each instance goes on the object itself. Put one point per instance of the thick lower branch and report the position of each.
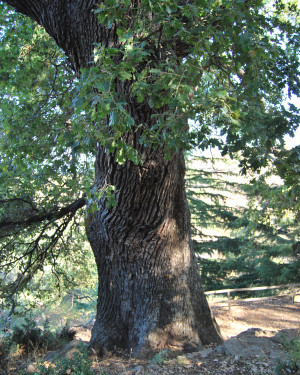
(52, 215)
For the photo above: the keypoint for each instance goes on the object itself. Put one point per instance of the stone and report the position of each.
(206, 352)
(31, 368)
(139, 370)
(219, 349)
(286, 335)
(250, 344)
(65, 352)
(154, 367)
(194, 355)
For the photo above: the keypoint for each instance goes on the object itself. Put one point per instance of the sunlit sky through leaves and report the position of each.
(295, 141)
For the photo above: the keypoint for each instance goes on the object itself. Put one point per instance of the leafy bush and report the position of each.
(28, 335)
(66, 334)
(5, 344)
(31, 337)
(290, 365)
(79, 364)
(160, 357)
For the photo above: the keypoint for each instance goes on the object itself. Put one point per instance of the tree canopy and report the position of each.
(225, 66)
(229, 69)
(41, 177)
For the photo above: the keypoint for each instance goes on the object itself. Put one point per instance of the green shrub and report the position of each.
(291, 364)
(160, 357)
(31, 337)
(28, 335)
(66, 334)
(5, 344)
(79, 364)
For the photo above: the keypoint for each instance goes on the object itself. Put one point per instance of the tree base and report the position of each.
(150, 295)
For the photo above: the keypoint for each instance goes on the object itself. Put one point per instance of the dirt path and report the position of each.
(271, 314)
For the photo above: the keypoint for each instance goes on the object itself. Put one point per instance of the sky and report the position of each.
(295, 141)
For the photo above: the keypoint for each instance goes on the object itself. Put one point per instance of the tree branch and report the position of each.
(27, 252)
(66, 22)
(31, 8)
(53, 215)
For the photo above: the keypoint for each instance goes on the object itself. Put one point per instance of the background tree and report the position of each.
(146, 68)
(245, 230)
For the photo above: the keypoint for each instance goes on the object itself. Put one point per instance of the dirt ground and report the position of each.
(270, 315)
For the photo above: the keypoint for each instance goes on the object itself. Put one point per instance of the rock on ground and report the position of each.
(256, 342)
(66, 352)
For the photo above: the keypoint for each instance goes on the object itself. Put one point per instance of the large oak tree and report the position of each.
(143, 69)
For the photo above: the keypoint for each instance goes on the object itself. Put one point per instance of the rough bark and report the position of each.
(150, 294)
(71, 23)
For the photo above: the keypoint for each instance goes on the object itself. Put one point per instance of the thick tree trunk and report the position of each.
(150, 294)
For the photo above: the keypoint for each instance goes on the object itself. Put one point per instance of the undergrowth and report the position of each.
(160, 357)
(28, 338)
(290, 364)
(5, 346)
(79, 364)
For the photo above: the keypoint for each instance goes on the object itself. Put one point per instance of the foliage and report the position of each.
(28, 338)
(67, 293)
(31, 337)
(43, 168)
(287, 166)
(224, 65)
(66, 334)
(79, 364)
(160, 357)
(245, 234)
(290, 365)
(55, 313)
(5, 345)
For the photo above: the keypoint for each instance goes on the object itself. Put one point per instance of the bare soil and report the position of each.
(269, 314)
(272, 316)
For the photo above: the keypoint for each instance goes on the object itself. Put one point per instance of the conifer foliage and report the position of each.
(245, 229)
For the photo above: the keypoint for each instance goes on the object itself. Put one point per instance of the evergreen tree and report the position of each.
(245, 230)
